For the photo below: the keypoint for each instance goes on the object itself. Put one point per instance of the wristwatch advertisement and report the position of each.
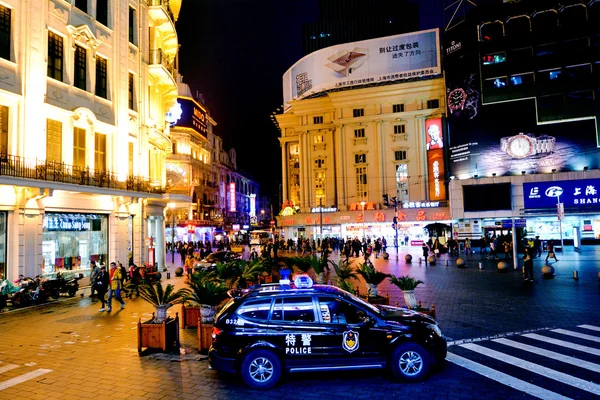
(456, 100)
(525, 145)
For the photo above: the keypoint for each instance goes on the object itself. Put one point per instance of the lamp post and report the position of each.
(172, 207)
(262, 216)
(321, 218)
(362, 204)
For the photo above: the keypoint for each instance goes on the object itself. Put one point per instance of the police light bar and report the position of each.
(303, 282)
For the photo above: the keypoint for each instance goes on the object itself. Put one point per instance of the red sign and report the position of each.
(401, 216)
(232, 197)
(379, 217)
(435, 159)
(359, 218)
(416, 243)
(421, 216)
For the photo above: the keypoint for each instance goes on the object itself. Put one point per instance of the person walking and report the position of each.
(468, 249)
(528, 265)
(551, 253)
(101, 284)
(93, 276)
(114, 286)
(537, 247)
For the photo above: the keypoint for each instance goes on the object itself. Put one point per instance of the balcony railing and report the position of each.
(165, 4)
(158, 57)
(51, 171)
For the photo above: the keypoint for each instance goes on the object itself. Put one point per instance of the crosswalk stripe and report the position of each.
(7, 368)
(23, 378)
(577, 335)
(526, 387)
(590, 327)
(550, 354)
(535, 368)
(562, 343)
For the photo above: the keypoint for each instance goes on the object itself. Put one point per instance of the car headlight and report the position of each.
(436, 329)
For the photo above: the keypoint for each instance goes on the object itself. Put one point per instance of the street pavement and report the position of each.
(507, 340)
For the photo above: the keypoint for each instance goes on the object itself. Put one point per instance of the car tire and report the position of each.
(410, 362)
(251, 371)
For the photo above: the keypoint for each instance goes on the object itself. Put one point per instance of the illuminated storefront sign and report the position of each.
(323, 209)
(583, 193)
(192, 115)
(421, 204)
(67, 222)
(232, 197)
(435, 159)
(252, 205)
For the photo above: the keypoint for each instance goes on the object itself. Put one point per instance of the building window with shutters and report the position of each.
(361, 183)
(100, 152)
(398, 129)
(319, 163)
(102, 12)
(402, 182)
(317, 120)
(358, 112)
(101, 77)
(359, 133)
(318, 139)
(132, 25)
(400, 155)
(433, 103)
(360, 158)
(79, 147)
(320, 187)
(55, 56)
(5, 29)
(397, 108)
(53, 141)
(131, 92)
(80, 67)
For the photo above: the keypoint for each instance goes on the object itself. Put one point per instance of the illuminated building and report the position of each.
(83, 95)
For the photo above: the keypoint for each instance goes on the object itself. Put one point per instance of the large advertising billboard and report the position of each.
(187, 113)
(582, 193)
(435, 159)
(506, 139)
(383, 59)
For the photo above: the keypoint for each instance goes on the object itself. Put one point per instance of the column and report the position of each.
(284, 164)
(160, 241)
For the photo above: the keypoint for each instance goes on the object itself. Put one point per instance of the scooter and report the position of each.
(7, 289)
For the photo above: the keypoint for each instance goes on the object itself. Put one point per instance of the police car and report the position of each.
(269, 329)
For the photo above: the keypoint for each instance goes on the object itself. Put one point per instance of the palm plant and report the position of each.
(408, 285)
(162, 299)
(208, 292)
(344, 272)
(246, 271)
(372, 278)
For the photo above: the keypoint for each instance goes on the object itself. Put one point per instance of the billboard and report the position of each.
(435, 159)
(232, 207)
(506, 139)
(192, 115)
(383, 59)
(583, 193)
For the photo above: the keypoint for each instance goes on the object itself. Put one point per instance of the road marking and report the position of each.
(550, 354)
(562, 343)
(535, 368)
(590, 327)
(485, 338)
(577, 335)
(23, 378)
(7, 368)
(505, 379)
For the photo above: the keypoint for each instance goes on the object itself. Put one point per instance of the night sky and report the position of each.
(235, 52)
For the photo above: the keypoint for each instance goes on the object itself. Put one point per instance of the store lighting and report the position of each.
(586, 168)
(452, 177)
(475, 176)
(494, 174)
(523, 172)
(553, 170)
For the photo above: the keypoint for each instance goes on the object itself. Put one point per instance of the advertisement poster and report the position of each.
(582, 193)
(505, 139)
(189, 115)
(383, 59)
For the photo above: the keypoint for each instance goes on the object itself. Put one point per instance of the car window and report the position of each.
(336, 311)
(293, 309)
(255, 309)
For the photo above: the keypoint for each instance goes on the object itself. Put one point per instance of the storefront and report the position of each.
(187, 234)
(2, 244)
(71, 241)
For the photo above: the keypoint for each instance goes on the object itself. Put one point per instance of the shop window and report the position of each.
(100, 152)
(546, 50)
(5, 28)
(402, 182)
(492, 59)
(55, 56)
(53, 141)
(491, 31)
(101, 77)
(578, 73)
(71, 241)
(3, 235)
(102, 12)
(79, 147)
(359, 133)
(317, 120)
(358, 112)
(398, 129)
(518, 26)
(3, 130)
(397, 108)
(522, 56)
(545, 21)
(80, 67)
(573, 17)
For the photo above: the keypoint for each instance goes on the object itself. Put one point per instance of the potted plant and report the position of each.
(246, 273)
(407, 285)
(207, 293)
(314, 262)
(345, 273)
(161, 332)
(372, 277)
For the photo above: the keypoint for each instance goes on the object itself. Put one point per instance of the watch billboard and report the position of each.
(379, 60)
(506, 139)
(582, 193)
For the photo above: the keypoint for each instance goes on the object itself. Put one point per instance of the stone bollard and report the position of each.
(502, 266)
(575, 275)
(548, 271)
(480, 265)
(446, 263)
(408, 259)
(432, 260)
(460, 263)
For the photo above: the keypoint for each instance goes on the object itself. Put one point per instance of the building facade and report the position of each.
(84, 140)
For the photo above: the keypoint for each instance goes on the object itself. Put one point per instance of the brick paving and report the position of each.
(94, 355)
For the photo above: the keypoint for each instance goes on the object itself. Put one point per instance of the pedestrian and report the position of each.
(506, 251)
(537, 247)
(114, 286)
(528, 265)
(93, 275)
(101, 285)
(468, 249)
(551, 253)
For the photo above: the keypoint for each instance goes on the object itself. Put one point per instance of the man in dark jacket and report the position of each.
(101, 285)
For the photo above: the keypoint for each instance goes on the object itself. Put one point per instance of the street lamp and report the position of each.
(172, 207)
(262, 216)
(362, 204)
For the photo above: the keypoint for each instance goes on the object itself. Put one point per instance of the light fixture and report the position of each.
(452, 177)
(553, 170)
(494, 174)
(523, 172)
(475, 176)
(586, 168)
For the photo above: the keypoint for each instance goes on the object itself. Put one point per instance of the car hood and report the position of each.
(404, 315)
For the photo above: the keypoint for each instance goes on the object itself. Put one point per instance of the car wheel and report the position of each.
(410, 362)
(261, 369)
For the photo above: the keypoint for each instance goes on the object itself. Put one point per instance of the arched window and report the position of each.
(545, 21)
(518, 26)
(490, 31)
(573, 17)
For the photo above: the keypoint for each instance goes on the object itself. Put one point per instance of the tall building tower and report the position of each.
(84, 88)
(344, 21)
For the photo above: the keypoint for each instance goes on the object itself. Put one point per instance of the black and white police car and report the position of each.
(300, 327)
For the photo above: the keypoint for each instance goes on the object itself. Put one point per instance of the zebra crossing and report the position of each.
(16, 380)
(547, 364)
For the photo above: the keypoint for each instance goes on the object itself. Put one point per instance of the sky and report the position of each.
(235, 52)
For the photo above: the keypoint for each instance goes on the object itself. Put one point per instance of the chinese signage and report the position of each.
(578, 193)
(232, 197)
(519, 223)
(323, 209)
(389, 58)
(421, 204)
(193, 115)
(252, 205)
(66, 222)
(435, 159)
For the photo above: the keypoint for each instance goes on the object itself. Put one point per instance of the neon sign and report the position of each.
(232, 197)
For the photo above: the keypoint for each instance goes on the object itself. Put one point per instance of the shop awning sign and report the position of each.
(583, 193)
(519, 223)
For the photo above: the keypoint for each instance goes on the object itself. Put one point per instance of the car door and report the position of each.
(350, 336)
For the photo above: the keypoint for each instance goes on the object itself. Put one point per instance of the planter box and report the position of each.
(379, 300)
(189, 316)
(204, 336)
(163, 336)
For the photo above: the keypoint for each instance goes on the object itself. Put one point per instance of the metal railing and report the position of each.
(164, 4)
(52, 171)
(158, 57)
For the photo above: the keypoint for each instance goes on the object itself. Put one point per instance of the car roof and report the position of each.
(275, 288)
